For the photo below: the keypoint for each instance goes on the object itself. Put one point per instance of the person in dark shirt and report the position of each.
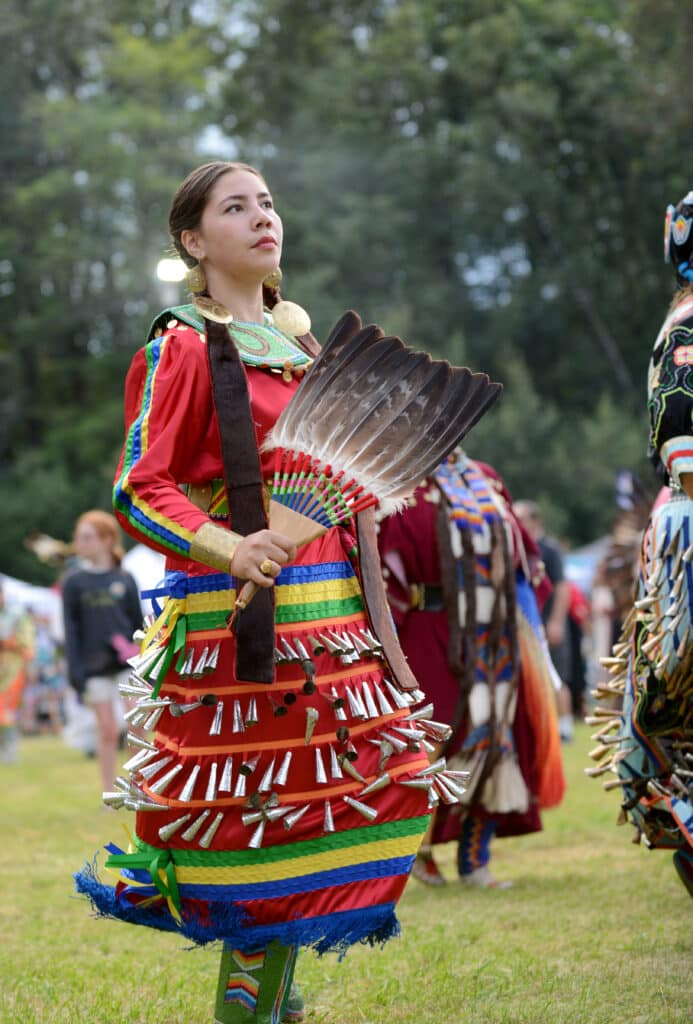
(102, 610)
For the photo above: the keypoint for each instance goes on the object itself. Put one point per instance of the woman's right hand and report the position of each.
(266, 548)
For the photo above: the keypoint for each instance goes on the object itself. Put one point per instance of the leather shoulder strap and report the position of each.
(243, 480)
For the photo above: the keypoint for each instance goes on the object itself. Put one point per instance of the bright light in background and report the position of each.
(170, 270)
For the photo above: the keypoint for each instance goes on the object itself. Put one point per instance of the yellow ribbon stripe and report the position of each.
(294, 867)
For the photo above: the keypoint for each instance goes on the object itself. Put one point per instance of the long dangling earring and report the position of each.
(274, 278)
(195, 279)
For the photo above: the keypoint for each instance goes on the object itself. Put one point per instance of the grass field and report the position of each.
(595, 931)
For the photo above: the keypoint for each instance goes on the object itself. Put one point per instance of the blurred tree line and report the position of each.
(487, 179)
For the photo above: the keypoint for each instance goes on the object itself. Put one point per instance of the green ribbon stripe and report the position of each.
(289, 851)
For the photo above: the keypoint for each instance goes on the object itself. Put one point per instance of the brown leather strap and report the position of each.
(243, 480)
(376, 601)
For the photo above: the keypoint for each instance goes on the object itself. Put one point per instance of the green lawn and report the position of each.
(595, 931)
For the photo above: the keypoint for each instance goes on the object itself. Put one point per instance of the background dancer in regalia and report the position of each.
(269, 816)
(647, 739)
(457, 564)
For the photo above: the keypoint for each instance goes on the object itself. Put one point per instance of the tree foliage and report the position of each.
(487, 179)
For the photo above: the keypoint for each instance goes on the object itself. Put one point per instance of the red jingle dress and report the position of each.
(263, 812)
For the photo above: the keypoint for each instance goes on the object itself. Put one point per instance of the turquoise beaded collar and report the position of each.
(261, 345)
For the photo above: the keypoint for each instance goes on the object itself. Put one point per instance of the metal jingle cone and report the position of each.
(206, 840)
(355, 710)
(337, 704)
(150, 770)
(371, 639)
(150, 722)
(350, 752)
(251, 717)
(414, 696)
(238, 724)
(133, 688)
(266, 780)
(440, 732)
(383, 703)
(451, 787)
(312, 715)
(342, 642)
(317, 647)
(410, 735)
(302, 650)
(598, 770)
(200, 662)
(377, 784)
(113, 799)
(178, 710)
(309, 686)
(283, 770)
(350, 768)
(369, 813)
(328, 820)
(320, 773)
(141, 661)
(139, 741)
(187, 790)
(165, 781)
(225, 781)
(422, 713)
(248, 767)
(615, 783)
(386, 750)
(140, 759)
(363, 710)
(335, 766)
(166, 831)
(186, 669)
(398, 745)
(431, 769)
(278, 710)
(361, 648)
(144, 805)
(211, 791)
(192, 829)
(621, 755)
(249, 818)
(212, 661)
(279, 657)
(416, 783)
(275, 813)
(599, 753)
(256, 839)
(240, 787)
(291, 819)
(399, 699)
(133, 716)
(443, 791)
(342, 733)
(367, 697)
(291, 654)
(460, 777)
(429, 747)
(125, 785)
(334, 649)
(215, 727)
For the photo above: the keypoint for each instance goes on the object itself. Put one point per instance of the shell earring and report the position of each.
(195, 279)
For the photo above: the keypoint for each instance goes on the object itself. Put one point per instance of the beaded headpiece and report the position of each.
(678, 238)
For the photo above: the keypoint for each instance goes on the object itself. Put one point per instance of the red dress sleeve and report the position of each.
(169, 412)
